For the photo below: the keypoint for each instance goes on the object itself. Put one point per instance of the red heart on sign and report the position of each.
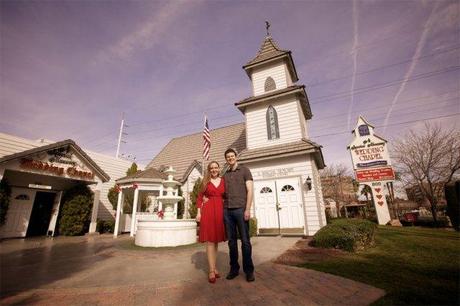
(379, 196)
(380, 203)
(378, 190)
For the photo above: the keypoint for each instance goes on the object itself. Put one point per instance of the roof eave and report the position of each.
(139, 180)
(68, 142)
(248, 67)
(278, 155)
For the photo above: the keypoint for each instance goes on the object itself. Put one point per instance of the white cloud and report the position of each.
(148, 34)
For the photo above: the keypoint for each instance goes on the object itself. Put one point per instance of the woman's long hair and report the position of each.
(207, 176)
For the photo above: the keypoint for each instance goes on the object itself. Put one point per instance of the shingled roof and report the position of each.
(150, 174)
(269, 50)
(283, 150)
(182, 152)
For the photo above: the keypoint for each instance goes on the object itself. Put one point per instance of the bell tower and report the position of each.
(278, 110)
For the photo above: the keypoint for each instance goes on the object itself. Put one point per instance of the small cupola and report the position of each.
(270, 53)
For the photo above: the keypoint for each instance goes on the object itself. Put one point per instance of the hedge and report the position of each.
(75, 214)
(105, 226)
(347, 234)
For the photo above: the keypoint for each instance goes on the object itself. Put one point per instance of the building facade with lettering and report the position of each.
(273, 142)
(40, 171)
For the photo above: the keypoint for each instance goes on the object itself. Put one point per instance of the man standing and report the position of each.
(237, 206)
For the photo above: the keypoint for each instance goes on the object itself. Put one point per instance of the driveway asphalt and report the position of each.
(100, 270)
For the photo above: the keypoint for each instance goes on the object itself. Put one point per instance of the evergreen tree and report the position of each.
(193, 196)
(180, 205)
(5, 193)
(132, 170)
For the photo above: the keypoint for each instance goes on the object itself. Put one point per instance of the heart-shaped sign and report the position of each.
(380, 203)
(379, 196)
(378, 190)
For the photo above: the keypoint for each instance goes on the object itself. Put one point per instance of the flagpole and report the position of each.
(202, 155)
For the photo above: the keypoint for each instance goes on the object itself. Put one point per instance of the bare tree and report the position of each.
(429, 159)
(333, 180)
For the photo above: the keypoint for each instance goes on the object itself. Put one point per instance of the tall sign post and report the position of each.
(371, 164)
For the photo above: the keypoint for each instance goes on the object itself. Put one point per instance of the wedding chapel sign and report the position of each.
(371, 164)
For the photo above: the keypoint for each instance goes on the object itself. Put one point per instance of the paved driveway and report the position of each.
(99, 270)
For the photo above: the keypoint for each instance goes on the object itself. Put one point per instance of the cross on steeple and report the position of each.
(267, 26)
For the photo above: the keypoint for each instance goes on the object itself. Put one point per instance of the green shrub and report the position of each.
(192, 210)
(252, 227)
(5, 193)
(75, 214)
(346, 234)
(104, 226)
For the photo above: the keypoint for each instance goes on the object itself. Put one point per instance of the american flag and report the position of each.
(207, 139)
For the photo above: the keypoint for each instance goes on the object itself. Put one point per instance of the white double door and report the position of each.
(278, 203)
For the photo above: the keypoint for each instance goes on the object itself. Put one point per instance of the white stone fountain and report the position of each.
(166, 231)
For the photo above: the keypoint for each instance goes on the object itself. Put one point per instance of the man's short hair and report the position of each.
(230, 150)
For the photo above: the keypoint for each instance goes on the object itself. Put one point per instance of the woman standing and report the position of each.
(211, 215)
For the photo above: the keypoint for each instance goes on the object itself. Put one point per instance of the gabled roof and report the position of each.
(303, 146)
(180, 152)
(270, 51)
(150, 174)
(294, 89)
(57, 145)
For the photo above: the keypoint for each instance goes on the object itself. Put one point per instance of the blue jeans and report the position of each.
(234, 220)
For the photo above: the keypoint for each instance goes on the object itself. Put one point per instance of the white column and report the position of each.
(133, 216)
(55, 213)
(93, 224)
(117, 216)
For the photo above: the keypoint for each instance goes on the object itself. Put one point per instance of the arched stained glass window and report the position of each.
(266, 190)
(287, 188)
(272, 123)
(270, 84)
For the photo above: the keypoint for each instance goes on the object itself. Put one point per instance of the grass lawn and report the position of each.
(415, 266)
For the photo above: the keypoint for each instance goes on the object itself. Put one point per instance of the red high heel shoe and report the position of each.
(212, 277)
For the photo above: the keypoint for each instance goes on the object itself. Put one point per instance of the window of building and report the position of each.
(270, 84)
(266, 190)
(272, 123)
(287, 188)
(24, 197)
(363, 130)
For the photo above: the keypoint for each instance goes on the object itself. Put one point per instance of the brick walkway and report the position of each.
(148, 280)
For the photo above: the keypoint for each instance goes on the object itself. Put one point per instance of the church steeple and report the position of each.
(269, 52)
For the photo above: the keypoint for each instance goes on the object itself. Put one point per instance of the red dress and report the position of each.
(212, 228)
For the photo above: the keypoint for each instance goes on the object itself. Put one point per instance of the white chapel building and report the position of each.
(272, 142)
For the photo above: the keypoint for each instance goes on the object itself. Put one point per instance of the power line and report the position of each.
(381, 67)
(392, 124)
(399, 109)
(361, 90)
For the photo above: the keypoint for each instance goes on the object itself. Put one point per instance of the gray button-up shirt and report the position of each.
(235, 187)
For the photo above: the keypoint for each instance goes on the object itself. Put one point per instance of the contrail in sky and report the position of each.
(413, 63)
(354, 52)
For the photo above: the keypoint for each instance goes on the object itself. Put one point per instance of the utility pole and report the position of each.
(120, 134)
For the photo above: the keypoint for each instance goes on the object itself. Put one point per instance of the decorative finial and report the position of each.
(267, 26)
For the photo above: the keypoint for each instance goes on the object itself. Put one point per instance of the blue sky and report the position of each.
(70, 68)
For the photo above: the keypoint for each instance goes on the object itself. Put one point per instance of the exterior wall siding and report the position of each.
(301, 166)
(278, 72)
(289, 124)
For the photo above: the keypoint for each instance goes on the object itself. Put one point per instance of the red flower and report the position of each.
(135, 186)
(117, 189)
(160, 214)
